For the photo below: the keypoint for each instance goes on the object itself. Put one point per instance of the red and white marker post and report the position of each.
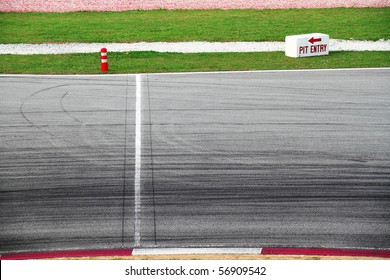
(103, 58)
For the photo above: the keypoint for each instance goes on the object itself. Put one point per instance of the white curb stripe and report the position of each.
(195, 251)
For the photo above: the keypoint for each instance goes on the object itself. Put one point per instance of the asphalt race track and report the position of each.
(283, 158)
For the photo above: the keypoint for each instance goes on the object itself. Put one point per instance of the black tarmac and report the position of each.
(235, 159)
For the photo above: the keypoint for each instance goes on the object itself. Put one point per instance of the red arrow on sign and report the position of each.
(312, 40)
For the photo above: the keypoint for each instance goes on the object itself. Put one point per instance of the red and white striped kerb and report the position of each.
(103, 58)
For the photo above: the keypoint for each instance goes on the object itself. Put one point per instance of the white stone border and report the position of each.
(183, 47)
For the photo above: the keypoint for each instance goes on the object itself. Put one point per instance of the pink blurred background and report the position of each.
(122, 5)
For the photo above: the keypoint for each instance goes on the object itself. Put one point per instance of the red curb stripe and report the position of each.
(67, 254)
(327, 252)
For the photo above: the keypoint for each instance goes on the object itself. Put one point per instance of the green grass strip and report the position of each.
(153, 62)
(190, 25)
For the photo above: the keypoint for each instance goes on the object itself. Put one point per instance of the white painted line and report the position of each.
(137, 175)
(269, 71)
(196, 251)
(108, 76)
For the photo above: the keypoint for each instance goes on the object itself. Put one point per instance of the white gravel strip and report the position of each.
(183, 47)
(352, 45)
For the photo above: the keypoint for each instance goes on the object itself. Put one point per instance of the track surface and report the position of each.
(298, 158)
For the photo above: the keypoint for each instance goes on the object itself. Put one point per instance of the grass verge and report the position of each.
(190, 25)
(154, 62)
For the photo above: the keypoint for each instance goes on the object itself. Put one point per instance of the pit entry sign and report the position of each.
(305, 45)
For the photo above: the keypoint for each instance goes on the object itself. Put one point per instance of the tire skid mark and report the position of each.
(66, 111)
(30, 121)
(76, 119)
(54, 136)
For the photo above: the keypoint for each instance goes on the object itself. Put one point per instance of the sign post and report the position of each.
(306, 45)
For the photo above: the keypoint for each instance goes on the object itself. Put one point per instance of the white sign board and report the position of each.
(305, 45)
